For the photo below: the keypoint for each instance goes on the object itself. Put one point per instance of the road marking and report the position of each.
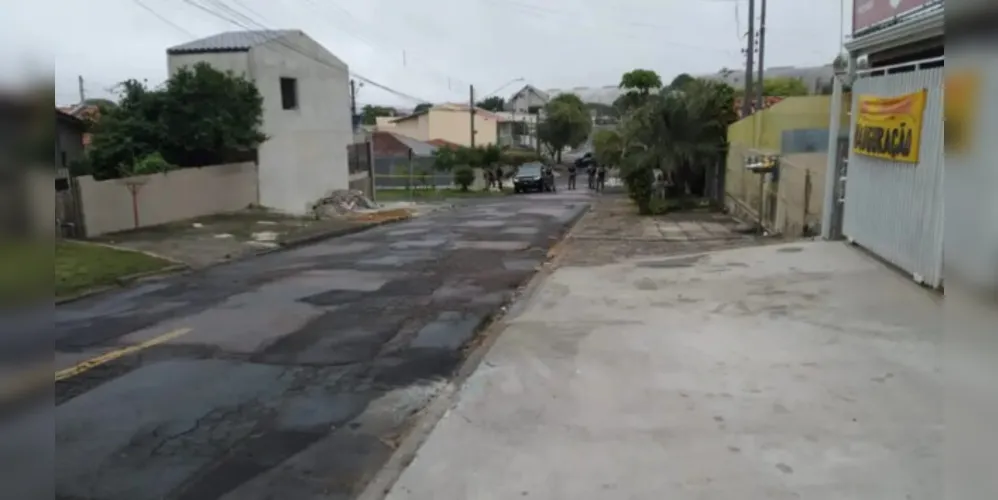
(116, 354)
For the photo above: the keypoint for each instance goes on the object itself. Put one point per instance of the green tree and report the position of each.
(464, 177)
(200, 117)
(642, 81)
(780, 87)
(369, 114)
(680, 134)
(681, 81)
(607, 147)
(494, 103)
(784, 87)
(566, 123)
(422, 107)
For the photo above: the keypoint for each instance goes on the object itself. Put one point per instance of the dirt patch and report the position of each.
(207, 240)
(382, 216)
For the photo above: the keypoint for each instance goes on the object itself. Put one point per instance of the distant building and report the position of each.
(816, 78)
(450, 122)
(527, 100)
(306, 109)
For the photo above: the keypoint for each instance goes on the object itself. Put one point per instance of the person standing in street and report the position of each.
(601, 178)
(572, 172)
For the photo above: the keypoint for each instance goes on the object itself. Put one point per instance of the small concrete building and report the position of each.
(306, 109)
(450, 122)
(529, 99)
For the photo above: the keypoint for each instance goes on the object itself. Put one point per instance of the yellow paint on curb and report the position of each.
(116, 354)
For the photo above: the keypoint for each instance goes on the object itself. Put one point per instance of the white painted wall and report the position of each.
(306, 155)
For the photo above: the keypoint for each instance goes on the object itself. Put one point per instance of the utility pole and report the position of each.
(83, 92)
(353, 105)
(471, 112)
(761, 99)
(354, 153)
(749, 59)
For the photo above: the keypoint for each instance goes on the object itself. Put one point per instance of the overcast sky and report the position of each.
(430, 49)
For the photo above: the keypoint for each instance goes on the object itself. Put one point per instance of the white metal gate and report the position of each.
(895, 209)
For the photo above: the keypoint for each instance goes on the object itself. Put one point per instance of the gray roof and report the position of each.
(418, 148)
(230, 41)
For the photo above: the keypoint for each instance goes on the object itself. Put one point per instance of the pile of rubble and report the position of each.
(342, 202)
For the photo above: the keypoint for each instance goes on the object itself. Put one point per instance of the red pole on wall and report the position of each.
(133, 187)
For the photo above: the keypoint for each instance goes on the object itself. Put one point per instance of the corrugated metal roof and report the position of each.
(418, 148)
(230, 41)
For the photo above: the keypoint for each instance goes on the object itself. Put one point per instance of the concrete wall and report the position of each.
(306, 155)
(69, 144)
(455, 126)
(800, 192)
(418, 127)
(162, 198)
(764, 133)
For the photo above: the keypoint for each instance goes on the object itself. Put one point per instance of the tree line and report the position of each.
(200, 116)
(669, 136)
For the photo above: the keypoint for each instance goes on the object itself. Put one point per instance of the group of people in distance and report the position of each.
(594, 171)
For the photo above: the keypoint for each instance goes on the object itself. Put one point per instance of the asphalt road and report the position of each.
(291, 375)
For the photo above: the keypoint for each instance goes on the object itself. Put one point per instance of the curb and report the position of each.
(125, 281)
(384, 480)
(336, 233)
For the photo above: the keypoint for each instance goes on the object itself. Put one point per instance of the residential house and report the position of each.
(306, 109)
(517, 130)
(450, 122)
(69, 142)
(88, 112)
(528, 100)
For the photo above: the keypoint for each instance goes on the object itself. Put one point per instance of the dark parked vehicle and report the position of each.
(533, 177)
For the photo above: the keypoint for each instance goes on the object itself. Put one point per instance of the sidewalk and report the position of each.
(792, 371)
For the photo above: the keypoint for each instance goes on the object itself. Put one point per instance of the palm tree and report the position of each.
(680, 133)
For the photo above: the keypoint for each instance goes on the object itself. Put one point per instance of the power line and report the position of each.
(291, 46)
(162, 18)
(375, 44)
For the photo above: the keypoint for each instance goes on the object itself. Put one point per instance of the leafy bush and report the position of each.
(464, 177)
(150, 164)
(201, 116)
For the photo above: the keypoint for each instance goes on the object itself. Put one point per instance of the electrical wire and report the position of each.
(250, 25)
(163, 18)
(375, 44)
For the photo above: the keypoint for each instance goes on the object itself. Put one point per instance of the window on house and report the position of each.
(63, 154)
(289, 93)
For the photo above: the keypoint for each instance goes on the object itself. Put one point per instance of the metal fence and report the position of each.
(401, 172)
(895, 209)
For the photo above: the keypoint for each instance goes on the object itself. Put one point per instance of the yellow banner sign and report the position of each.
(962, 97)
(890, 127)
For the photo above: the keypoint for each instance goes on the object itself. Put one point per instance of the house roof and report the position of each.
(447, 107)
(443, 143)
(230, 41)
(69, 119)
(530, 88)
(418, 148)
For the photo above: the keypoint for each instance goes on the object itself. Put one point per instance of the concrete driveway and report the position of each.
(795, 371)
(288, 376)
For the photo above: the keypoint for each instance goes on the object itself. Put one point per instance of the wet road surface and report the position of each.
(291, 375)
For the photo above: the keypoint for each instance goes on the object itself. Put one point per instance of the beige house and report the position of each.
(449, 122)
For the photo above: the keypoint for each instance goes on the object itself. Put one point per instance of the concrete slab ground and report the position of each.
(794, 371)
